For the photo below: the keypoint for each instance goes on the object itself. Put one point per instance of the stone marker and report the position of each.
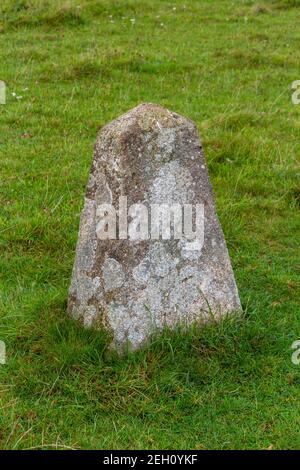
(151, 251)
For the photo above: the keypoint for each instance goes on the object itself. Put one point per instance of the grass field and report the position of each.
(70, 67)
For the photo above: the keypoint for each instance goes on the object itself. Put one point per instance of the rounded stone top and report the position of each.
(148, 117)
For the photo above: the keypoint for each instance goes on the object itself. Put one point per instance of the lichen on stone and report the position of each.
(134, 287)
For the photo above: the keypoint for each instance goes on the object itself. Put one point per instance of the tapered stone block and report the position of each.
(150, 252)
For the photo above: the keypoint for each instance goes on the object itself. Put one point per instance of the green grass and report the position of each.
(229, 66)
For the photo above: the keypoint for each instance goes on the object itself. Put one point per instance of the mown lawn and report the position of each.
(76, 65)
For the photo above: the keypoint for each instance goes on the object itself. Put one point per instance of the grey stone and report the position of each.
(131, 286)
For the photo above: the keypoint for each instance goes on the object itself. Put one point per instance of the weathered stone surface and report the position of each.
(133, 286)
